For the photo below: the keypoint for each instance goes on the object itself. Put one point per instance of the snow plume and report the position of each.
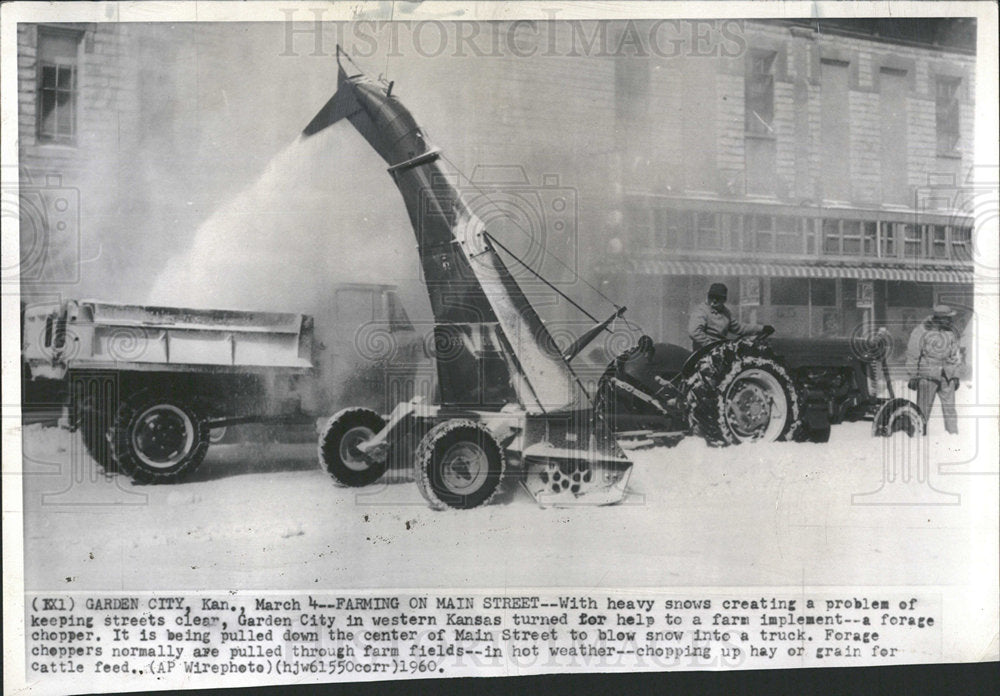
(322, 213)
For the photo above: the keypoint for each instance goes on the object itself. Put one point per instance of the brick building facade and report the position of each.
(814, 168)
(817, 174)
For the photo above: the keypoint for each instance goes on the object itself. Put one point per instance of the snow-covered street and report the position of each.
(265, 517)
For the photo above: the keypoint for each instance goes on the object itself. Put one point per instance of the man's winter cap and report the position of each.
(943, 310)
(718, 290)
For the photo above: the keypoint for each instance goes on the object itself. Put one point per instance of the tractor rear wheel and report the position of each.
(339, 455)
(742, 392)
(459, 465)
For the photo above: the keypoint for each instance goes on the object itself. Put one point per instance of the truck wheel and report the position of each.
(742, 393)
(459, 465)
(338, 447)
(158, 438)
(93, 421)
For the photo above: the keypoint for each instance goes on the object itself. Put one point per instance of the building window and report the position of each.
(961, 243)
(709, 235)
(674, 229)
(57, 84)
(835, 131)
(831, 237)
(823, 292)
(735, 227)
(787, 237)
(948, 114)
(890, 232)
(638, 221)
(901, 293)
(790, 291)
(759, 93)
(850, 236)
(913, 241)
(938, 235)
(869, 233)
(759, 233)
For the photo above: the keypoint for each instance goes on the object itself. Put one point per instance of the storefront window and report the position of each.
(823, 292)
(900, 293)
(790, 291)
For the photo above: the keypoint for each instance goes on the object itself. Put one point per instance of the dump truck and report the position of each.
(148, 386)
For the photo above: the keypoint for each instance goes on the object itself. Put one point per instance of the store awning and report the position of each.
(922, 274)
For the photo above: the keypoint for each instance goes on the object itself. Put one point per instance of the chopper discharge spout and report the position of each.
(501, 377)
(492, 347)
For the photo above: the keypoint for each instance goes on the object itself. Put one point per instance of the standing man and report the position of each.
(933, 361)
(712, 321)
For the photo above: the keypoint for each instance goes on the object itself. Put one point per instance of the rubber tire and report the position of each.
(94, 424)
(330, 461)
(818, 435)
(432, 448)
(880, 424)
(128, 460)
(716, 371)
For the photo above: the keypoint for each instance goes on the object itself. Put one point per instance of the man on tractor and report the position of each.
(712, 321)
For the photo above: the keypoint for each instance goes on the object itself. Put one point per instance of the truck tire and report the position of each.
(459, 464)
(338, 454)
(93, 421)
(732, 392)
(158, 437)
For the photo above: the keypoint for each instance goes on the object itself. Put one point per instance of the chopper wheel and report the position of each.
(459, 464)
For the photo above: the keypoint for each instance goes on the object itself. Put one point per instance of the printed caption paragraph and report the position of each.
(333, 636)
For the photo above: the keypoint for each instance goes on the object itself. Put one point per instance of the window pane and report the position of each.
(961, 243)
(64, 113)
(889, 231)
(57, 46)
(48, 103)
(852, 237)
(759, 93)
(65, 77)
(909, 294)
(912, 247)
(735, 231)
(789, 291)
(869, 231)
(48, 76)
(685, 229)
(824, 292)
(831, 236)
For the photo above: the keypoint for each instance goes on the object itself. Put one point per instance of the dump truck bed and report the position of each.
(93, 335)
